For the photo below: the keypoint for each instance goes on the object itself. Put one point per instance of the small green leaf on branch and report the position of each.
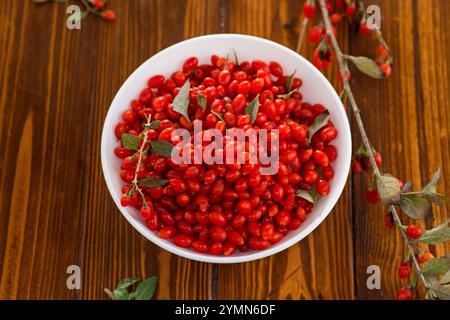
(389, 189)
(181, 102)
(367, 66)
(162, 147)
(146, 288)
(320, 121)
(436, 267)
(438, 234)
(152, 182)
(130, 142)
(252, 109)
(201, 101)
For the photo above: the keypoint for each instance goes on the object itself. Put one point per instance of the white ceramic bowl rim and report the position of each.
(331, 199)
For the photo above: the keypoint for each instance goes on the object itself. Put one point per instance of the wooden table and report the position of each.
(57, 85)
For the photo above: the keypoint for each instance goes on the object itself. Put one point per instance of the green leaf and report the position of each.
(218, 115)
(252, 109)
(367, 66)
(434, 197)
(446, 278)
(153, 125)
(429, 191)
(430, 295)
(438, 234)
(415, 205)
(146, 288)
(431, 186)
(310, 196)
(289, 81)
(305, 195)
(130, 141)
(236, 60)
(436, 267)
(442, 292)
(286, 95)
(121, 294)
(201, 101)
(152, 182)
(125, 283)
(319, 123)
(389, 189)
(407, 186)
(181, 102)
(132, 296)
(162, 147)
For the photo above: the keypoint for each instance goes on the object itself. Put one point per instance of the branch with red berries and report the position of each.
(95, 7)
(434, 273)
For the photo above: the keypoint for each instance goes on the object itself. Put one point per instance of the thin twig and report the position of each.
(365, 140)
(302, 34)
(141, 150)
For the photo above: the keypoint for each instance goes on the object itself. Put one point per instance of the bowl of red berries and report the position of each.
(226, 148)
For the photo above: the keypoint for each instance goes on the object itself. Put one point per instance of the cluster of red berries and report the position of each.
(405, 268)
(360, 163)
(338, 9)
(383, 60)
(221, 208)
(100, 7)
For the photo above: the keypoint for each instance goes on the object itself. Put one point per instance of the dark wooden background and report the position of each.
(56, 86)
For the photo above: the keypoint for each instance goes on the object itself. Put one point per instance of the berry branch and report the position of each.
(365, 140)
(144, 135)
(95, 7)
(435, 274)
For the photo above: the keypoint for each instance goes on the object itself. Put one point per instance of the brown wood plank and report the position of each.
(320, 266)
(43, 102)
(433, 31)
(112, 249)
(405, 118)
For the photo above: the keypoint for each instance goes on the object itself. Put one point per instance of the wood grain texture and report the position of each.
(56, 86)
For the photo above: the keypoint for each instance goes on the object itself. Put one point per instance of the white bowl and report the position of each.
(315, 89)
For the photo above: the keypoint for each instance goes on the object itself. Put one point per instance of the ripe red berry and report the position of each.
(382, 52)
(427, 256)
(350, 10)
(388, 220)
(404, 294)
(309, 9)
(276, 69)
(315, 34)
(377, 158)
(182, 240)
(347, 75)
(335, 18)
(98, 4)
(356, 165)
(364, 29)
(145, 212)
(404, 270)
(413, 232)
(109, 15)
(372, 196)
(322, 187)
(387, 69)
